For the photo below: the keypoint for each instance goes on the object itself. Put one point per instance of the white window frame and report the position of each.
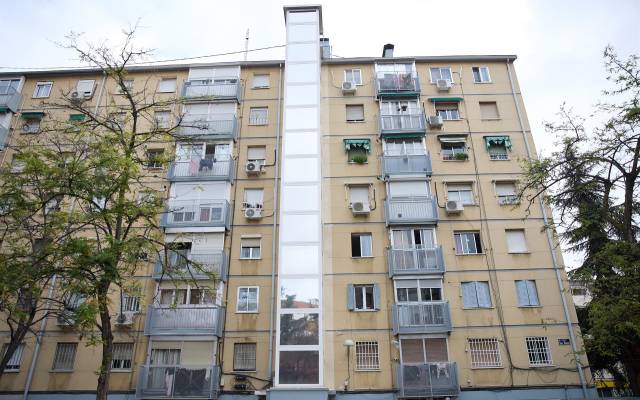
(267, 86)
(463, 253)
(536, 356)
(237, 346)
(129, 347)
(71, 348)
(434, 81)
(346, 110)
(246, 310)
(360, 235)
(453, 184)
(130, 303)
(252, 256)
(42, 84)
(367, 354)
(363, 293)
(448, 114)
(480, 68)
(505, 200)
(261, 119)
(484, 353)
(524, 241)
(175, 85)
(16, 358)
(530, 285)
(356, 82)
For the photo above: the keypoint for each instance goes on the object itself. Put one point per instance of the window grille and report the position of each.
(122, 355)
(367, 356)
(130, 303)
(65, 356)
(538, 350)
(258, 116)
(485, 353)
(244, 357)
(14, 362)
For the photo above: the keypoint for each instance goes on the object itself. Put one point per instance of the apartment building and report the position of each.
(361, 216)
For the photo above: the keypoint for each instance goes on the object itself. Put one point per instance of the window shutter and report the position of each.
(489, 110)
(261, 81)
(256, 153)
(484, 297)
(355, 112)
(85, 86)
(521, 289)
(516, 241)
(351, 297)
(167, 85)
(376, 296)
(505, 189)
(359, 194)
(469, 299)
(533, 293)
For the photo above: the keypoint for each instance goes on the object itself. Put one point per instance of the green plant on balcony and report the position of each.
(358, 158)
(461, 156)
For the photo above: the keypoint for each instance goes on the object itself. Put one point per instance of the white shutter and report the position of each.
(365, 245)
(484, 298)
(469, 299)
(408, 189)
(516, 242)
(261, 81)
(355, 112)
(505, 189)
(359, 194)
(489, 110)
(256, 153)
(253, 196)
(85, 87)
(521, 289)
(167, 85)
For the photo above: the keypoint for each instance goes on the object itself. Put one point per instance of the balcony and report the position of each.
(427, 317)
(178, 382)
(195, 266)
(210, 90)
(184, 320)
(194, 213)
(397, 84)
(413, 164)
(208, 126)
(415, 261)
(10, 100)
(391, 125)
(411, 210)
(4, 137)
(434, 379)
(201, 169)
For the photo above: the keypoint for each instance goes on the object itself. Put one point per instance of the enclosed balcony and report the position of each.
(409, 164)
(4, 136)
(397, 84)
(201, 169)
(428, 380)
(424, 317)
(196, 213)
(411, 210)
(9, 99)
(178, 382)
(415, 261)
(402, 124)
(192, 266)
(211, 89)
(184, 320)
(208, 126)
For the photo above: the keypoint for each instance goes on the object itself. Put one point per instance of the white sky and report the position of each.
(559, 43)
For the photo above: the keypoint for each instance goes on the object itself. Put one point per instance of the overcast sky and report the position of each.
(559, 43)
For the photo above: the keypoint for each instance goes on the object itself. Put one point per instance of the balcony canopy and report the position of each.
(33, 115)
(498, 141)
(445, 99)
(355, 144)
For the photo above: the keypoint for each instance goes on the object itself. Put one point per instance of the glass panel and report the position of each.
(302, 95)
(436, 349)
(299, 259)
(299, 367)
(299, 293)
(302, 52)
(412, 351)
(299, 329)
(300, 170)
(299, 228)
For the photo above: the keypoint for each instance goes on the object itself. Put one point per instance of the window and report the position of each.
(448, 111)
(361, 245)
(481, 75)
(476, 294)
(167, 85)
(16, 357)
(453, 149)
(85, 87)
(42, 90)
(367, 358)
(353, 75)
(9, 86)
(162, 119)
(527, 293)
(506, 193)
(426, 350)
(485, 353)
(538, 351)
(64, 357)
(31, 125)
(247, 299)
(261, 81)
(154, 158)
(76, 117)
(440, 73)
(244, 357)
(467, 243)
(401, 147)
(489, 110)
(253, 198)
(357, 150)
(258, 116)
(460, 192)
(359, 194)
(363, 297)
(256, 153)
(130, 303)
(17, 166)
(117, 120)
(516, 242)
(250, 248)
(177, 297)
(355, 112)
(423, 290)
(128, 84)
(498, 147)
(122, 355)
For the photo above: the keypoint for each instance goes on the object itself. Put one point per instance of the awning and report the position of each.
(452, 139)
(403, 135)
(32, 115)
(498, 141)
(351, 144)
(445, 99)
(76, 117)
(4, 109)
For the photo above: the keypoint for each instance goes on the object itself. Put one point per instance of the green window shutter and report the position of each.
(32, 115)
(445, 99)
(76, 117)
(353, 144)
(498, 141)
(351, 297)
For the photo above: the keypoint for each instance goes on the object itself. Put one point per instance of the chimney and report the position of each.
(387, 51)
(325, 48)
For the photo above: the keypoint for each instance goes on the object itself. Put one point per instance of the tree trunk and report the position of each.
(106, 334)
(632, 367)
(16, 339)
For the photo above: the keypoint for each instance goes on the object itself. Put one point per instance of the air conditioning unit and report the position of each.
(253, 213)
(435, 121)
(253, 167)
(443, 84)
(454, 207)
(75, 96)
(348, 87)
(125, 318)
(360, 208)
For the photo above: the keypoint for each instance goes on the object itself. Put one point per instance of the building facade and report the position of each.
(361, 216)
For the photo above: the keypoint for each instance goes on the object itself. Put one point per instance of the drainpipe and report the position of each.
(554, 259)
(274, 230)
(104, 78)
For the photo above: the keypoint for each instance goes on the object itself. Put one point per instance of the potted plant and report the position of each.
(359, 158)
(461, 156)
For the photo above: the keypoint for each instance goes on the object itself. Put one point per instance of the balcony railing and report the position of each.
(397, 84)
(411, 210)
(405, 123)
(184, 320)
(4, 137)
(208, 126)
(415, 261)
(218, 89)
(204, 169)
(413, 164)
(434, 379)
(195, 266)
(10, 99)
(426, 317)
(178, 382)
(196, 213)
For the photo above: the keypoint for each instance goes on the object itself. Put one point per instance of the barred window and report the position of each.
(258, 116)
(65, 357)
(367, 356)
(16, 357)
(130, 303)
(538, 350)
(485, 353)
(122, 355)
(244, 357)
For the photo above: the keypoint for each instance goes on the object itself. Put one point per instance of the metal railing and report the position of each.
(211, 90)
(415, 261)
(11, 100)
(508, 199)
(184, 320)
(397, 82)
(205, 169)
(211, 126)
(178, 381)
(410, 164)
(425, 317)
(196, 213)
(405, 123)
(434, 379)
(411, 210)
(194, 266)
